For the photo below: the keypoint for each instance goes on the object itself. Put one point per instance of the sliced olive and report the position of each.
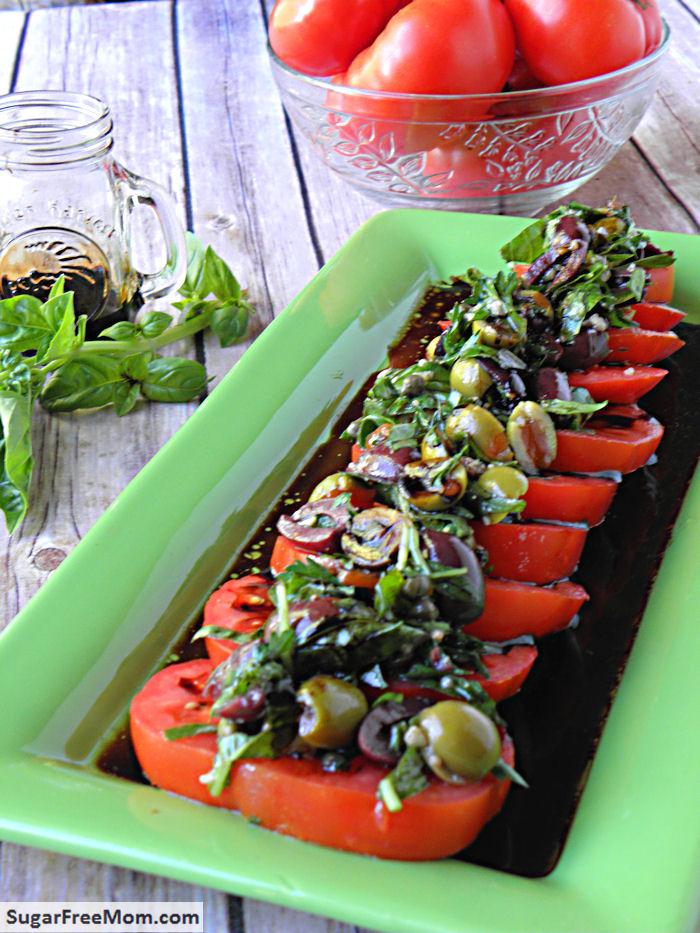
(495, 334)
(461, 743)
(461, 600)
(334, 484)
(506, 483)
(433, 451)
(478, 425)
(588, 348)
(532, 436)
(331, 711)
(435, 348)
(429, 489)
(375, 733)
(548, 382)
(373, 536)
(316, 526)
(469, 378)
(536, 304)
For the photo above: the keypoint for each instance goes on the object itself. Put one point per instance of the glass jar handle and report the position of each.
(171, 276)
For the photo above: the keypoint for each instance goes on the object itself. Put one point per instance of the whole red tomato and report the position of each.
(321, 37)
(565, 40)
(439, 47)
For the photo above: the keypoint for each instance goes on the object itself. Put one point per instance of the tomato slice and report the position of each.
(569, 498)
(296, 796)
(602, 447)
(513, 609)
(285, 552)
(661, 282)
(241, 605)
(623, 384)
(533, 552)
(654, 316)
(507, 673)
(637, 345)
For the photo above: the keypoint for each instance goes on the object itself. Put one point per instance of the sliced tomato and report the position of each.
(617, 383)
(601, 447)
(296, 796)
(285, 552)
(531, 552)
(637, 345)
(661, 282)
(654, 316)
(507, 673)
(241, 605)
(569, 498)
(513, 609)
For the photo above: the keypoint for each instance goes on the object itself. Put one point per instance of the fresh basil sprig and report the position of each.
(45, 357)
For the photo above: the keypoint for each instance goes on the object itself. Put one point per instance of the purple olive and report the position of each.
(451, 551)
(303, 526)
(565, 256)
(374, 734)
(588, 348)
(509, 381)
(381, 464)
(244, 708)
(549, 382)
(373, 536)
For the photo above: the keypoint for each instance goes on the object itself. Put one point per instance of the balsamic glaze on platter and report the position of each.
(557, 718)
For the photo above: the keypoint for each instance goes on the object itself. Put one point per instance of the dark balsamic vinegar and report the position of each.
(557, 718)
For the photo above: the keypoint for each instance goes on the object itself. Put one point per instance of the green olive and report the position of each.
(532, 436)
(432, 494)
(461, 743)
(333, 484)
(469, 378)
(506, 483)
(478, 425)
(432, 347)
(495, 335)
(433, 451)
(331, 711)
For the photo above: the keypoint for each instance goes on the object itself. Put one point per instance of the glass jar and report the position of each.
(66, 207)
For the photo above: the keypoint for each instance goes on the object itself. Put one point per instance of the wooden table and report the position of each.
(195, 108)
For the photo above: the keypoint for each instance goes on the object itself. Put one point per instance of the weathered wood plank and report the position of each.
(84, 460)
(245, 195)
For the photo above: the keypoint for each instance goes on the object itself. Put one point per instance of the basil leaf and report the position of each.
(221, 281)
(15, 455)
(229, 322)
(89, 382)
(527, 245)
(172, 379)
(155, 323)
(23, 325)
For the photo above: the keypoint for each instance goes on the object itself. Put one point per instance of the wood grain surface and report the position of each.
(196, 109)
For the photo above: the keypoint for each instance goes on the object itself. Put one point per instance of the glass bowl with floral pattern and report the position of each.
(509, 153)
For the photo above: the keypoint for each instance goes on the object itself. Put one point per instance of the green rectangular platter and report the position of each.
(111, 613)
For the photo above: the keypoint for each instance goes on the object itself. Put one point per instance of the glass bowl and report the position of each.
(507, 153)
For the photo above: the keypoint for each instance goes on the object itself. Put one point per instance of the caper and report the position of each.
(331, 711)
(495, 335)
(478, 425)
(532, 436)
(462, 743)
(469, 378)
(506, 483)
(333, 484)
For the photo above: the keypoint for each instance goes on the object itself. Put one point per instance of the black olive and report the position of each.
(374, 734)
